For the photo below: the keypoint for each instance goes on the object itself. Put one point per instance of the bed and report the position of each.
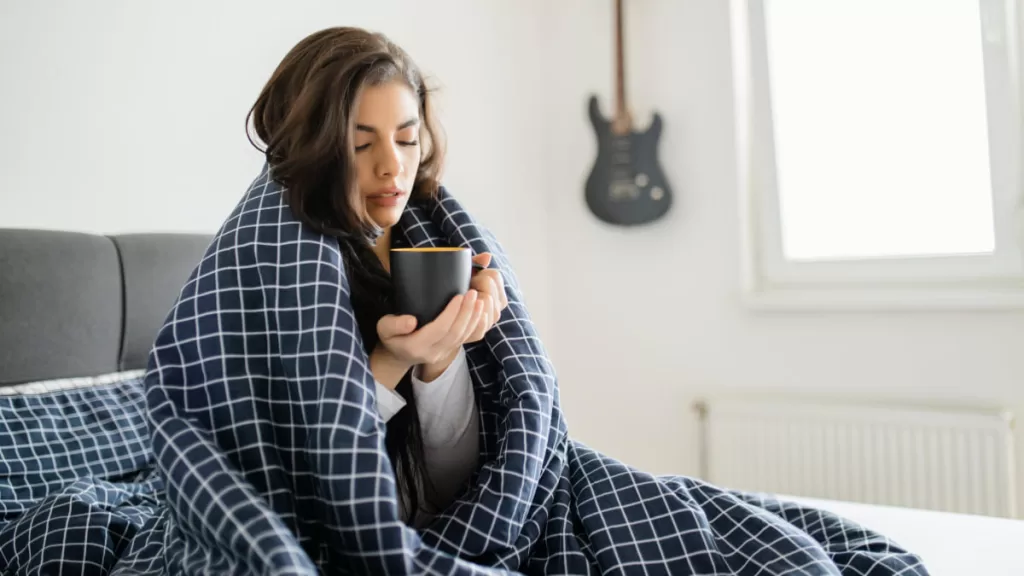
(79, 313)
(949, 544)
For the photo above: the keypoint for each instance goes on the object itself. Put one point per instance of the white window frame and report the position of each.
(951, 282)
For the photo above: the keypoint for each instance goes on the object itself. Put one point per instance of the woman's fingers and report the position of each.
(499, 288)
(453, 336)
(434, 331)
(483, 259)
(490, 282)
(473, 326)
(495, 296)
(485, 320)
(500, 280)
(463, 322)
(390, 326)
(479, 327)
(489, 315)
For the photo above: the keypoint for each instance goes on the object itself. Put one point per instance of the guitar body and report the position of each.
(626, 186)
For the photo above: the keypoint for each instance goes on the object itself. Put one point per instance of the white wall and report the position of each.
(119, 115)
(647, 319)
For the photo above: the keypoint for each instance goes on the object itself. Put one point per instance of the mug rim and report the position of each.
(431, 249)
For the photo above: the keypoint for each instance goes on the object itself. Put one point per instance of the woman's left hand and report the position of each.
(491, 288)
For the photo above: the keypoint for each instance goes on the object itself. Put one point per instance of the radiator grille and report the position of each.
(949, 460)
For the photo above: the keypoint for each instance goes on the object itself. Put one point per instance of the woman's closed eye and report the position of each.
(366, 146)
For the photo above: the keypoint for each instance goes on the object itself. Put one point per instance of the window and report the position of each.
(880, 152)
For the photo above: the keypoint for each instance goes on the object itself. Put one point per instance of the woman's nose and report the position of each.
(389, 163)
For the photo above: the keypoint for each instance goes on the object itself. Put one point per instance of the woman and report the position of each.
(300, 426)
(355, 180)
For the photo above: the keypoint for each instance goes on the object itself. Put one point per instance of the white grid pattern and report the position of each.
(265, 429)
(76, 474)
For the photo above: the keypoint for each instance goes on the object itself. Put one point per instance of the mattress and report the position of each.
(950, 544)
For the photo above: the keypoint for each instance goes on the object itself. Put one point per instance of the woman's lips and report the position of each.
(387, 198)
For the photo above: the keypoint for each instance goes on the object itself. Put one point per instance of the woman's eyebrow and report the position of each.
(407, 124)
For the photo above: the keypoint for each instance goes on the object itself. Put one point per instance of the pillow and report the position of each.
(55, 432)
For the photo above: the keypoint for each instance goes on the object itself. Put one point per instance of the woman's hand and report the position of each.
(437, 340)
(467, 318)
(491, 286)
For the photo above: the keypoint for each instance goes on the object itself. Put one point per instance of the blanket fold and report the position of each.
(264, 425)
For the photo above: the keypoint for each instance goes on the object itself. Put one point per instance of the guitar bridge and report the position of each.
(624, 191)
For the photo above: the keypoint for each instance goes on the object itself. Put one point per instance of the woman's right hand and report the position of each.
(437, 339)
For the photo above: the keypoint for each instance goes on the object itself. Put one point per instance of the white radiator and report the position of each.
(950, 460)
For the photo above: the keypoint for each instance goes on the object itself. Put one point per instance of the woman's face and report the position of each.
(387, 149)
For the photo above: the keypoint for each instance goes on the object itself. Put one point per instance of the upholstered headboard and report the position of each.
(75, 304)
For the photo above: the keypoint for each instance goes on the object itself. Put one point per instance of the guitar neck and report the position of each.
(621, 106)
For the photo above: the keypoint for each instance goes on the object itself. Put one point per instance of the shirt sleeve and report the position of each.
(446, 405)
(389, 402)
(450, 427)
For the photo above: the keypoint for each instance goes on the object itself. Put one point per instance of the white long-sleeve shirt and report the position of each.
(449, 426)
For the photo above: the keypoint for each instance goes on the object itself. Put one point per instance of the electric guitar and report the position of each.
(626, 186)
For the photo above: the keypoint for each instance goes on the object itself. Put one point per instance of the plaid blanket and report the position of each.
(265, 432)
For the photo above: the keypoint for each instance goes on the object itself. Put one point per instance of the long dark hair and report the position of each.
(304, 117)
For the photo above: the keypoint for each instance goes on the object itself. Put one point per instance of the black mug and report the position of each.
(426, 279)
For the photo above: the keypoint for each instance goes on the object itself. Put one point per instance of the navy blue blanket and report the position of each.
(270, 457)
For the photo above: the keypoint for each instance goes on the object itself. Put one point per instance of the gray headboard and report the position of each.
(75, 304)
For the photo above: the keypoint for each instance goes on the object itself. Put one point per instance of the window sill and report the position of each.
(872, 299)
